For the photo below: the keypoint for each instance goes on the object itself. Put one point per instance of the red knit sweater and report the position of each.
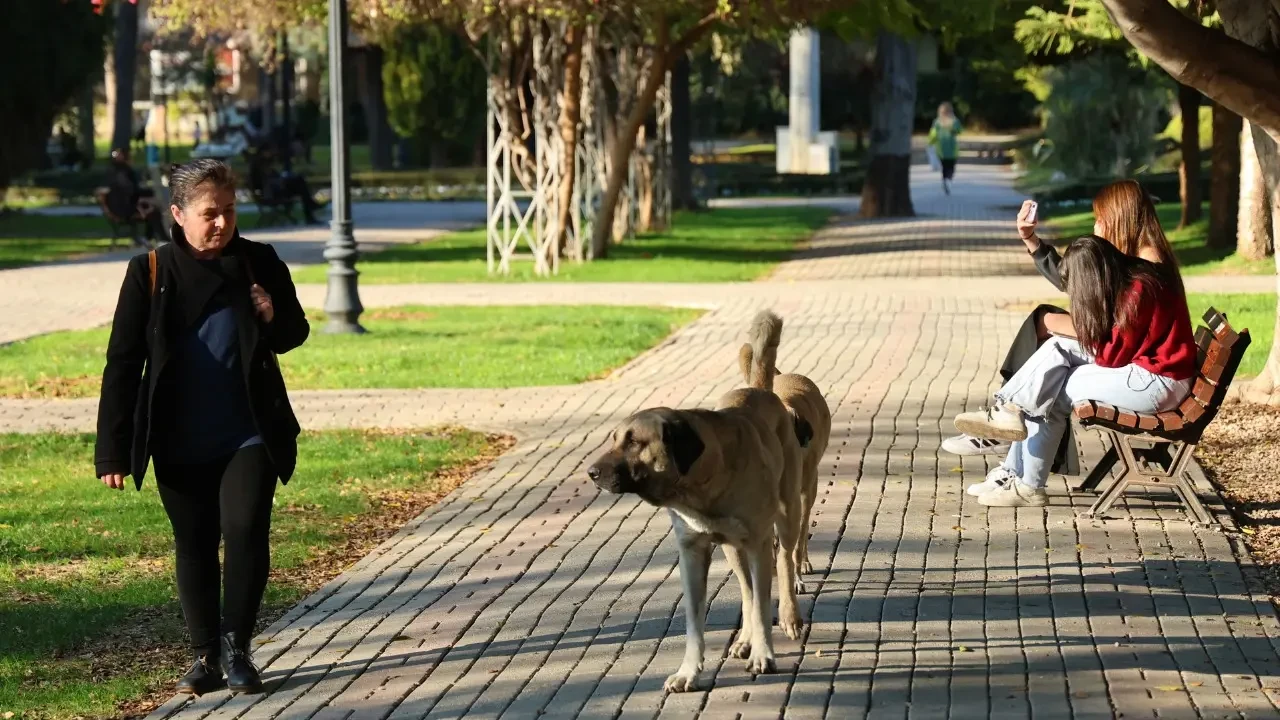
(1158, 338)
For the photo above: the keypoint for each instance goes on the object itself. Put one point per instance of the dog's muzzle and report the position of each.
(611, 478)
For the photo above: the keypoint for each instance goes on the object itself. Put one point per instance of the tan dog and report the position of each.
(728, 476)
(812, 416)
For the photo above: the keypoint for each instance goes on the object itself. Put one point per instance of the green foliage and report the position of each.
(1102, 115)
(434, 86)
(1084, 26)
(49, 50)
(1173, 131)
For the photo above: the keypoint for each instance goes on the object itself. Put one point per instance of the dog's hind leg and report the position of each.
(789, 527)
(695, 561)
(758, 557)
(741, 647)
(809, 495)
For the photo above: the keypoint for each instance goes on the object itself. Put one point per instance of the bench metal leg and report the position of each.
(1100, 470)
(1172, 476)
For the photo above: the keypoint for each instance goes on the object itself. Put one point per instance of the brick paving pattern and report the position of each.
(526, 592)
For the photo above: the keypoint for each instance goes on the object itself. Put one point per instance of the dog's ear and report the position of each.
(804, 431)
(682, 442)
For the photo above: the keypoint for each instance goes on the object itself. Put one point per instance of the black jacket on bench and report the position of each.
(1066, 461)
(135, 394)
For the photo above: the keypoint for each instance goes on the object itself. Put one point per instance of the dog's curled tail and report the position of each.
(757, 358)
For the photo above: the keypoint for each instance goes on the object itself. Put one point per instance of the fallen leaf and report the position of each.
(1247, 531)
(8, 715)
(957, 469)
(817, 653)
(963, 649)
(956, 527)
(1170, 688)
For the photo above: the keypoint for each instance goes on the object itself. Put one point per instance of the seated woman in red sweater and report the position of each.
(1134, 349)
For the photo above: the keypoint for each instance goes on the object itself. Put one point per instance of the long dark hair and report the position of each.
(1099, 279)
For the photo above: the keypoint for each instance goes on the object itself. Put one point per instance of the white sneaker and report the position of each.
(1015, 494)
(1003, 423)
(996, 479)
(968, 445)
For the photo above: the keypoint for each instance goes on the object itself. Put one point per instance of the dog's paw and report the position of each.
(740, 649)
(762, 665)
(800, 586)
(791, 624)
(806, 567)
(682, 681)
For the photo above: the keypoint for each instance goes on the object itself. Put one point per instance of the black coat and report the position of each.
(146, 325)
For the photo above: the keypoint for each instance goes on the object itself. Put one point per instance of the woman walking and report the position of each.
(191, 383)
(942, 136)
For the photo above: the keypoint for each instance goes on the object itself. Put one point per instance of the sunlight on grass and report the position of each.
(715, 246)
(78, 560)
(406, 347)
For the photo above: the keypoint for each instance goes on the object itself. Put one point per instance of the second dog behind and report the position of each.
(812, 417)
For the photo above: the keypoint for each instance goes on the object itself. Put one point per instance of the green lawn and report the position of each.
(407, 347)
(1190, 244)
(88, 611)
(30, 239)
(715, 246)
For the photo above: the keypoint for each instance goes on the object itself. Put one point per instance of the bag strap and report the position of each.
(151, 267)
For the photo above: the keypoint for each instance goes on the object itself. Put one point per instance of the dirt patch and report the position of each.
(44, 388)
(1240, 452)
(156, 638)
(399, 315)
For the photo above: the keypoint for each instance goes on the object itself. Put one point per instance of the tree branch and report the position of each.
(691, 36)
(1233, 74)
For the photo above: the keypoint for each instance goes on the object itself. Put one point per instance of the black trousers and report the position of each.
(1025, 344)
(229, 498)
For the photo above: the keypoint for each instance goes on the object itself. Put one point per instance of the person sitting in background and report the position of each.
(127, 199)
(266, 178)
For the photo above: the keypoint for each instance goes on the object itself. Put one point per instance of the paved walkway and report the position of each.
(527, 592)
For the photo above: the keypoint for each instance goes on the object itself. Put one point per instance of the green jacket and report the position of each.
(945, 139)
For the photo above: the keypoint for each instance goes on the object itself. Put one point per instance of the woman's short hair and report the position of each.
(186, 179)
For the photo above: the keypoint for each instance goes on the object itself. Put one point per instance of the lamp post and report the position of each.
(342, 302)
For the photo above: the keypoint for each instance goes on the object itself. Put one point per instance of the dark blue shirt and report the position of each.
(212, 417)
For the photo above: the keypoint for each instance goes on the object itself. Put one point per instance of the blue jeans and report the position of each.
(1060, 374)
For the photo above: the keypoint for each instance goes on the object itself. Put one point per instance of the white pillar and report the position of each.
(802, 148)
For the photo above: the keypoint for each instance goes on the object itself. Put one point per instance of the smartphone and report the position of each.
(1031, 214)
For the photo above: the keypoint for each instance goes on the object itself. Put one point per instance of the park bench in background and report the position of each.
(1154, 450)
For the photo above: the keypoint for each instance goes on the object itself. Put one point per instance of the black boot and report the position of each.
(204, 676)
(242, 676)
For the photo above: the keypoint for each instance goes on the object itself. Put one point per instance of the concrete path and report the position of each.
(528, 593)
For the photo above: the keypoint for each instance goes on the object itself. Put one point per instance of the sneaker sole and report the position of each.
(983, 430)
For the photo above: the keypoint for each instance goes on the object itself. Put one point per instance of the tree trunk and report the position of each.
(1189, 168)
(381, 137)
(886, 191)
(1253, 238)
(84, 121)
(1224, 180)
(624, 143)
(682, 197)
(1265, 388)
(125, 67)
(570, 115)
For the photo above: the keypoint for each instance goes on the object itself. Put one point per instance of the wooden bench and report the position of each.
(1153, 450)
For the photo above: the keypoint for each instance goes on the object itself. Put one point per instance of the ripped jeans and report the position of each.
(1060, 374)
